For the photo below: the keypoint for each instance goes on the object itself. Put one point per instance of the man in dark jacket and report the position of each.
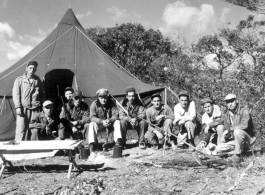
(104, 117)
(77, 120)
(238, 128)
(45, 124)
(131, 119)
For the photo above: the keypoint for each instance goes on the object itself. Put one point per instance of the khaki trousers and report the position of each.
(23, 132)
(94, 128)
(241, 141)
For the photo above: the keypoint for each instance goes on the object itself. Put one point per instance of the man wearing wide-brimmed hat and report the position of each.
(27, 98)
(238, 128)
(78, 122)
(185, 118)
(104, 117)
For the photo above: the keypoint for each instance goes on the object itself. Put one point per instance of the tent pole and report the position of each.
(165, 96)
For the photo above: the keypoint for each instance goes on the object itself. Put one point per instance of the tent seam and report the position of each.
(36, 55)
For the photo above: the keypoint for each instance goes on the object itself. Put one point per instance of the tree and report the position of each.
(257, 6)
(132, 46)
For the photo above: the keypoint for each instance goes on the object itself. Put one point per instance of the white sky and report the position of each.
(25, 23)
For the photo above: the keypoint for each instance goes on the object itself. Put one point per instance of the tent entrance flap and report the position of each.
(55, 83)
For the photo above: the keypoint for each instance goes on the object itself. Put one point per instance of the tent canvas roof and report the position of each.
(68, 47)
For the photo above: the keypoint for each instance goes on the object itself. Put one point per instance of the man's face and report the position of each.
(184, 100)
(103, 100)
(48, 109)
(77, 100)
(231, 104)
(208, 108)
(68, 95)
(156, 102)
(131, 97)
(31, 69)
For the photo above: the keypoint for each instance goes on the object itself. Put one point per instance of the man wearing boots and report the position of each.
(27, 98)
(104, 117)
(131, 119)
(162, 116)
(238, 128)
(212, 123)
(78, 121)
(185, 116)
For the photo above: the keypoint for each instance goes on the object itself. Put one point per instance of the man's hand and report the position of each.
(19, 111)
(74, 122)
(158, 134)
(160, 117)
(75, 130)
(223, 140)
(133, 121)
(106, 123)
(48, 130)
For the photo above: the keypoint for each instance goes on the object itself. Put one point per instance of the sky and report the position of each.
(25, 23)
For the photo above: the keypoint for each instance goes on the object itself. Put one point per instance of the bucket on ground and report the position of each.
(117, 151)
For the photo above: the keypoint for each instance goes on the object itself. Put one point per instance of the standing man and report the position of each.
(132, 118)
(239, 129)
(211, 122)
(27, 98)
(77, 120)
(162, 116)
(104, 117)
(45, 123)
(185, 117)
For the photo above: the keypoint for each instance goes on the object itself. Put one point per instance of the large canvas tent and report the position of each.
(67, 57)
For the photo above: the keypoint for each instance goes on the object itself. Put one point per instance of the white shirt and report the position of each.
(206, 119)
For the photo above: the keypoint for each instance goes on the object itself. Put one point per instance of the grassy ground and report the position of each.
(129, 175)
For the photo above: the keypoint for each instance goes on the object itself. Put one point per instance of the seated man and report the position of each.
(75, 118)
(238, 128)
(45, 124)
(185, 116)
(162, 116)
(68, 93)
(212, 123)
(136, 111)
(104, 117)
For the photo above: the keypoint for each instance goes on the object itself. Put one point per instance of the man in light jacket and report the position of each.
(27, 98)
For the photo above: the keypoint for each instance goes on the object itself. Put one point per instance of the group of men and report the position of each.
(36, 118)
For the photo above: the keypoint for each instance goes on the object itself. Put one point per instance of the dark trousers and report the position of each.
(141, 129)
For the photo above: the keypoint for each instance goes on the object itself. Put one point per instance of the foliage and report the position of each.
(132, 46)
(237, 66)
(257, 6)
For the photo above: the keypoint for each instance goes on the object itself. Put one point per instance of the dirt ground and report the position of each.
(131, 175)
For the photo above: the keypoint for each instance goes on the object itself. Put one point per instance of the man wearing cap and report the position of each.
(68, 93)
(78, 120)
(185, 118)
(238, 128)
(45, 124)
(161, 116)
(27, 98)
(131, 118)
(211, 122)
(104, 117)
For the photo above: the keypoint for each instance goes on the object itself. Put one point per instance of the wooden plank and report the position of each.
(41, 146)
